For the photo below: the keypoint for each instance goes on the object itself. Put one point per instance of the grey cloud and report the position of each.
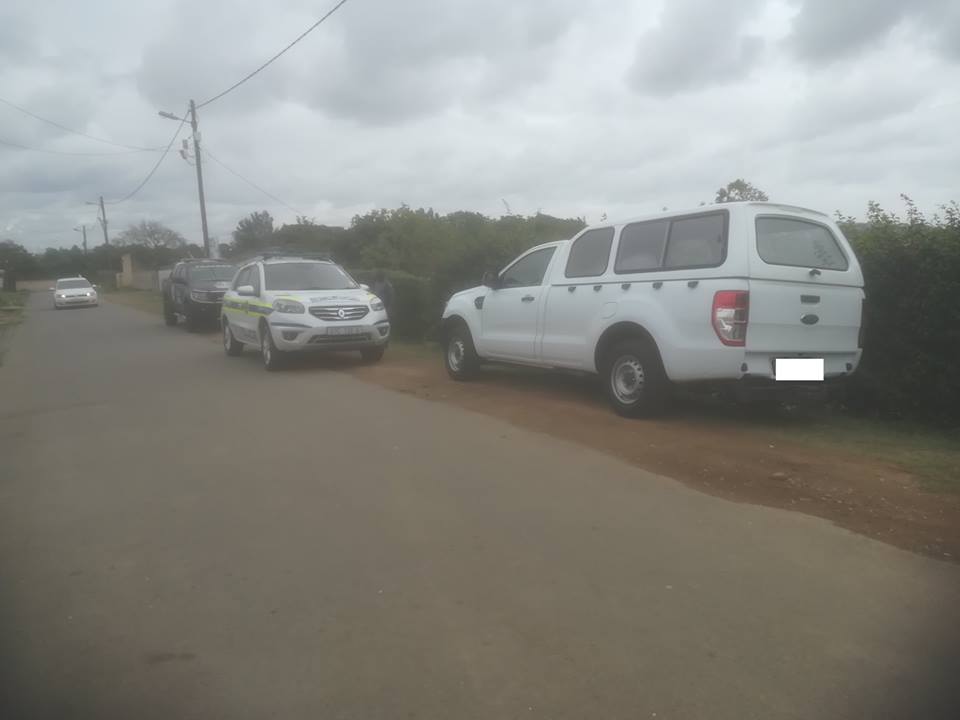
(825, 31)
(460, 50)
(695, 45)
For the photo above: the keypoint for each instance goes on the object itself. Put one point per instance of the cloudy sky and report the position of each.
(572, 107)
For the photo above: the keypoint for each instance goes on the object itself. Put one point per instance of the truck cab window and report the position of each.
(641, 246)
(528, 270)
(590, 253)
(699, 241)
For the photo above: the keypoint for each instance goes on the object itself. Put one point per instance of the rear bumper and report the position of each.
(299, 338)
(761, 365)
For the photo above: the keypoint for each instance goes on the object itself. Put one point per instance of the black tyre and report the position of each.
(193, 318)
(169, 316)
(231, 346)
(373, 355)
(459, 354)
(272, 357)
(634, 380)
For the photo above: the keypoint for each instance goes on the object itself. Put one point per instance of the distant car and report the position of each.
(194, 291)
(74, 292)
(286, 304)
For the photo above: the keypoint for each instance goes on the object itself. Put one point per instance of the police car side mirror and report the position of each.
(245, 290)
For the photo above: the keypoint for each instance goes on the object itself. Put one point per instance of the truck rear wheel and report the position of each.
(459, 355)
(634, 381)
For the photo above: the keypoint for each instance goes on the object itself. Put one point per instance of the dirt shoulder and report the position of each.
(857, 474)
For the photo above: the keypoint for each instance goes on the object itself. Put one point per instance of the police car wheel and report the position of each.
(230, 344)
(272, 358)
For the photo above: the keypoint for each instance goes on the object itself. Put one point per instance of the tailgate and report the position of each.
(800, 318)
(806, 288)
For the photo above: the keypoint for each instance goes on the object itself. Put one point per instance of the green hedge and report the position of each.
(414, 312)
(911, 357)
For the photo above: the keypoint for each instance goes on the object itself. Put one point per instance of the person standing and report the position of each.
(383, 289)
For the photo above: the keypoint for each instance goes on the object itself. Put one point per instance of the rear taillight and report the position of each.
(729, 317)
(863, 323)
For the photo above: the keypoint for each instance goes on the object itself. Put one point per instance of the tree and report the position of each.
(253, 232)
(16, 262)
(151, 234)
(740, 189)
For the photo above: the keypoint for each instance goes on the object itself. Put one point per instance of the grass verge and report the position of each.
(12, 307)
(930, 455)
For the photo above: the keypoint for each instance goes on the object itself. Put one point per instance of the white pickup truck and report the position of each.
(741, 292)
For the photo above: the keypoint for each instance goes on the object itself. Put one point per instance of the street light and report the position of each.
(198, 164)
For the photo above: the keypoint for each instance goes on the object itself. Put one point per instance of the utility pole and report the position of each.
(199, 164)
(103, 221)
(196, 158)
(83, 229)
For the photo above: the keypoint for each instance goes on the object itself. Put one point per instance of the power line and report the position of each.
(251, 183)
(75, 132)
(298, 39)
(64, 152)
(154, 169)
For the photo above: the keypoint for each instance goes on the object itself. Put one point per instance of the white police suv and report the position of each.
(285, 304)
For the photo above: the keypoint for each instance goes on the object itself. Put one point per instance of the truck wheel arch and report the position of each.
(622, 331)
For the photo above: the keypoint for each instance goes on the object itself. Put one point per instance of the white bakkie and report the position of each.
(284, 304)
(745, 292)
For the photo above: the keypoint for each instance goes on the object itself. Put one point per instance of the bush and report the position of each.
(414, 312)
(911, 269)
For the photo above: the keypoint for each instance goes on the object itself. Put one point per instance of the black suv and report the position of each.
(195, 290)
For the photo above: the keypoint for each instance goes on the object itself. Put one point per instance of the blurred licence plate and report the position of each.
(799, 369)
(350, 330)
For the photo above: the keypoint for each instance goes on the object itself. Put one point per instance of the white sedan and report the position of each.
(70, 292)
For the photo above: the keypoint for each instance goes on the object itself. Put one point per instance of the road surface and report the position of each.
(183, 535)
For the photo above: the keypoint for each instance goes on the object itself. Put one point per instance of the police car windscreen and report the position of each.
(306, 276)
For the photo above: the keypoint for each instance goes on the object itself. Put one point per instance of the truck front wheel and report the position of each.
(459, 354)
(634, 379)
(169, 316)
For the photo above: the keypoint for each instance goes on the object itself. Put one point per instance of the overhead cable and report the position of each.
(55, 124)
(300, 37)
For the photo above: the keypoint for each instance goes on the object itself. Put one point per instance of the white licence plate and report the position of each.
(798, 369)
(350, 330)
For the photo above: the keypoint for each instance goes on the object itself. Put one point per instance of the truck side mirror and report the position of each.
(245, 290)
(491, 280)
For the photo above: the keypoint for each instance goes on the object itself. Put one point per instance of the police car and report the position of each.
(284, 304)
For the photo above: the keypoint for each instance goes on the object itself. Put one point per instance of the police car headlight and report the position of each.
(288, 306)
(376, 304)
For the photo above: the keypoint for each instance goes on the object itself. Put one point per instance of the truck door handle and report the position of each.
(814, 272)
(692, 283)
(596, 288)
(571, 288)
(657, 285)
(527, 298)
